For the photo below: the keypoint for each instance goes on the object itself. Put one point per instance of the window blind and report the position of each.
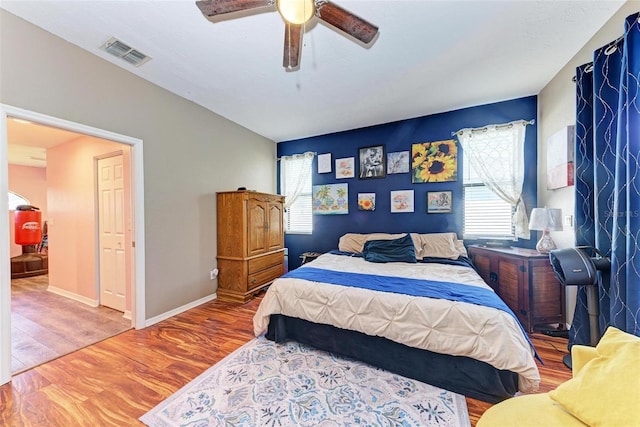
(298, 217)
(485, 214)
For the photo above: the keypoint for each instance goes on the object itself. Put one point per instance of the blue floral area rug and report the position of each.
(267, 384)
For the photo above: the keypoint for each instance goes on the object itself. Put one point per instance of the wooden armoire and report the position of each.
(250, 243)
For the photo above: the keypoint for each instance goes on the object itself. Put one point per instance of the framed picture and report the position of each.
(372, 162)
(439, 202)
(367, 202)
(398, 162)
(560, 157)
(402, 201)
(434, 161)
(345, 168)
(330, 199)
(324, 163)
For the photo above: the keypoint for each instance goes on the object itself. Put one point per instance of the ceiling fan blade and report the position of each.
(346, 21)
(292, 46)
(221, 7)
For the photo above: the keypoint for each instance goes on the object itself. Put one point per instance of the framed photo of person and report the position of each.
(372, 161)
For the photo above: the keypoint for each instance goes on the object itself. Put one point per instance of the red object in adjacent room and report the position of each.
(27, 225)
(27, 221)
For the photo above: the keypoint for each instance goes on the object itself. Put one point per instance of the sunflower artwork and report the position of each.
(434, 161)
(366, 201)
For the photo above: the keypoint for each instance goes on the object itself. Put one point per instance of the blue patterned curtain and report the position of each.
(607, 180)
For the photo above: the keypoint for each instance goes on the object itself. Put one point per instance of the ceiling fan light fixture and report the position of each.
(295, 14)
(296, 11)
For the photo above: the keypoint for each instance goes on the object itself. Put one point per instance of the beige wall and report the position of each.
(189, 152)
(31, 183)
(557, 109)
(71, 200)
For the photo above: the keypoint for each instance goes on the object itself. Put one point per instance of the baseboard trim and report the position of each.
(71, 295)
(127, 314)
(178, 310)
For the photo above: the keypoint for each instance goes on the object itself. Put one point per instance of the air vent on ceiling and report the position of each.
(116, 48)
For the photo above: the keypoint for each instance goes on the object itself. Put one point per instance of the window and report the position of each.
(493, 177)
(485, 214)
(295, 185)
(16, 200)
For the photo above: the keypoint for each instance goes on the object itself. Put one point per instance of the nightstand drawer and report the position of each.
(265, 276)
(525, 281)
(259, 264)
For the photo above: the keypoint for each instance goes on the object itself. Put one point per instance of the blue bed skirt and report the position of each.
(458, 374)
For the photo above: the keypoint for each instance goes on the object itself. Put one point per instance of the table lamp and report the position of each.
(546, 220)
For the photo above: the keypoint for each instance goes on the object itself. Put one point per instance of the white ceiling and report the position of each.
(430, 56)
(28, 142)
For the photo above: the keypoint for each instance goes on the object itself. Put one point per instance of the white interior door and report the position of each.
(111, 220)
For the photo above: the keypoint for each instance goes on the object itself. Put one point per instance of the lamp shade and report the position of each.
(546, 219)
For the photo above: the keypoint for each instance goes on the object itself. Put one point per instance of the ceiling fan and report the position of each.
(295, 13)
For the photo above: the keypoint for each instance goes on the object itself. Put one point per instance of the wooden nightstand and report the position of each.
(309, 256)
(525, 280)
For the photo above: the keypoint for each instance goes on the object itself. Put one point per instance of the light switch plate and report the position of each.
(568, 221)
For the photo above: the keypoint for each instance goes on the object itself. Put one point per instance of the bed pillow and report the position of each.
(354, 242)
(460, 248)
(397, 250)
(605, 391)
(437, 245)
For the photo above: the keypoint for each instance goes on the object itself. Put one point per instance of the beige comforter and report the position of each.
(441, 326)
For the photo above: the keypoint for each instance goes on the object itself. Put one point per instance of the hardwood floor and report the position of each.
(45, 326)
(115, 381)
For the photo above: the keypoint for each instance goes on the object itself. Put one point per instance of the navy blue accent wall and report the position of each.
(399, 136)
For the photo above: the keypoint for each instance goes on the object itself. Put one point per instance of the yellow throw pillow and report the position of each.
(606, 391)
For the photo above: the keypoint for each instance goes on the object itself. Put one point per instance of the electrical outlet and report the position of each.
(214, 273)
(568, 221)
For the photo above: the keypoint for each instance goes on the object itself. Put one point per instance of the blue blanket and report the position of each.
(463, 261)
(414, 287)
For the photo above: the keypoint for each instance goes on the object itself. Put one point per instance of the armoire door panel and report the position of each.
(257, 223)
(275, 232)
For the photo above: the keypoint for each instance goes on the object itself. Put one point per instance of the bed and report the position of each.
(407, 303)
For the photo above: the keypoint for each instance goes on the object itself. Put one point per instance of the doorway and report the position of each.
(136, 275)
